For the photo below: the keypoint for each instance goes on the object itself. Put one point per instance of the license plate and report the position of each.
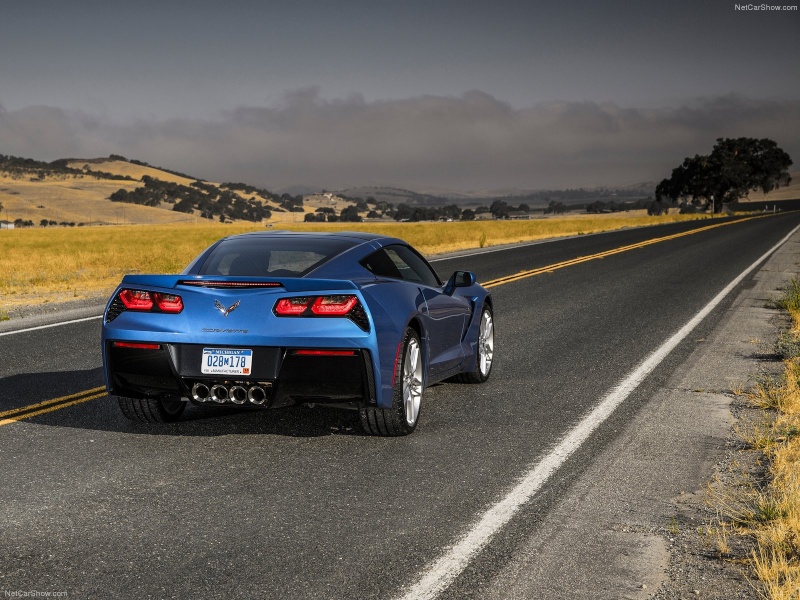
(226, 361)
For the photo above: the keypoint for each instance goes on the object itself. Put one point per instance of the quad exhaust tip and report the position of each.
(200, 392)
(238, 394)
(219, 393)
(235, 394)
(257, 395)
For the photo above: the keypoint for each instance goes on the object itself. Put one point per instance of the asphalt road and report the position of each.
(298, 503)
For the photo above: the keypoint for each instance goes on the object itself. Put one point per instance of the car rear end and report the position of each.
(249, 341)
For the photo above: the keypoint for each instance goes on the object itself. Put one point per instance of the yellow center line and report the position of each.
(32, 410)
(621, 249)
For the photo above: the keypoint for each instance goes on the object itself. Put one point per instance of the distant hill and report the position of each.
(115, 190)
(395, 196)
(536, 199)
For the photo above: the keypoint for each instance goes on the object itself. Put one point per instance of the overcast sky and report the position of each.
(419, 94)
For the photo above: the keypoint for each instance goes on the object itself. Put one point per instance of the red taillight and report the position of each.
(333, 305)
(136, 299)
(146, 301)
(287, 307)
(325, 352)
(320, 306)
(137, 345)
(168, 302)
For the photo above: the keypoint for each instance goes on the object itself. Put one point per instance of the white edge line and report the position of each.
(441, 573)
(51, 325)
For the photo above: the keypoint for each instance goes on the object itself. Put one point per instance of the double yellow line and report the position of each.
(582, 259)
(34, 410)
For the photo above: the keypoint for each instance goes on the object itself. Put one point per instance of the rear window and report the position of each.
(271, 257)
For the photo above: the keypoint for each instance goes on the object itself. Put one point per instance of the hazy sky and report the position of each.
(461, 95)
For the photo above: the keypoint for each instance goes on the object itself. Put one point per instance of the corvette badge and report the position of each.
(226, 311)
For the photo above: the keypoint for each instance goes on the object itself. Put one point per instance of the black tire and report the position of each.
(151, 410)
(403, 416)
(484, 352)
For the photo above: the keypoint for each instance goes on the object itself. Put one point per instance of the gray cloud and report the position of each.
(470, 142)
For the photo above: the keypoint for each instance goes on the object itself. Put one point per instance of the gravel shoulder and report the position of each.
(45, 314)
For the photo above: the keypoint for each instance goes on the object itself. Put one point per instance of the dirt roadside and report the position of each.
(742, 349)
(44, 314)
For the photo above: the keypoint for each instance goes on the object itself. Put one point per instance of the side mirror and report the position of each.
(459, 279)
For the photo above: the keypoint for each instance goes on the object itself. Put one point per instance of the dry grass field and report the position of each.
(84, 198)
(121, 167)
(79, 199)
(48, 265)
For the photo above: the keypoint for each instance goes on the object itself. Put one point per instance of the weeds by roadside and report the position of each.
(761, 512)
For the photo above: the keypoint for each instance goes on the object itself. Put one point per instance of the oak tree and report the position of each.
(735, 167)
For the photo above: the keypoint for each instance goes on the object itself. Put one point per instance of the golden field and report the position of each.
(125, 168)
(44, 265)
(81, 199)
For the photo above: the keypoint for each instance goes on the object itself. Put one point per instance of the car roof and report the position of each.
(355, 236)
(354, 246)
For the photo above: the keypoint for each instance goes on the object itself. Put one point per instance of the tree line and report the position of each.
(208, 200)
(19, 167)
(286, 202)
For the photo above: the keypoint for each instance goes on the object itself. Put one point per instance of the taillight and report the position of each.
(137, 345)
(324, 306)
(168, 302)
(324, 352)
(143, 300)
(336, 306)
(136, 299)
(321, 306)
(292, 307)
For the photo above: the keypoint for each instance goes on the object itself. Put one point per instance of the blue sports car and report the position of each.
(272, 319)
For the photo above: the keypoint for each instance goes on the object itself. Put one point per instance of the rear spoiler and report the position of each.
(290, 284)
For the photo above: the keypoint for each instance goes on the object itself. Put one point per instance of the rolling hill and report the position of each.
(78, 191)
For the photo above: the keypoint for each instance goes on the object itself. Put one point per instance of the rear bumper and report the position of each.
(287, 375)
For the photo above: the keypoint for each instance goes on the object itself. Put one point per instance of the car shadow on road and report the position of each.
(104, 414)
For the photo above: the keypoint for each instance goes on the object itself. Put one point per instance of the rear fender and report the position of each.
(388, 306)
